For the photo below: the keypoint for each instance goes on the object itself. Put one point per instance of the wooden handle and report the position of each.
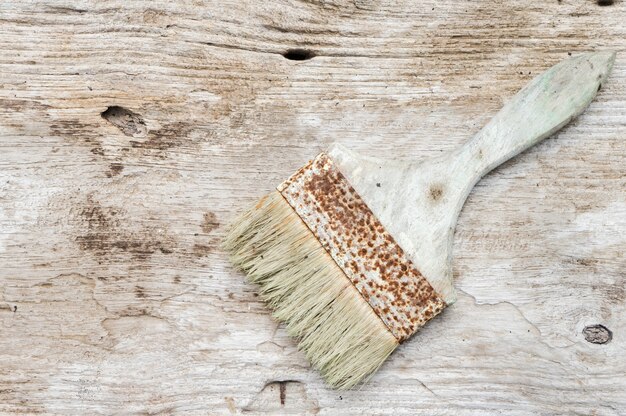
(419, 202)
(542, 107)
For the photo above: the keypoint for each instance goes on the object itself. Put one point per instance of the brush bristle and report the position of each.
(337, 330)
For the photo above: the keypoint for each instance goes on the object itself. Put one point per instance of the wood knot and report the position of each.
(129, 123)
(597, 334)
(435, 192)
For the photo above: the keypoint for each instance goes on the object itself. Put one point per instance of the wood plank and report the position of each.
(114, 294)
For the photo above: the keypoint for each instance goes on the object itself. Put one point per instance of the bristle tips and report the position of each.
(337, 330)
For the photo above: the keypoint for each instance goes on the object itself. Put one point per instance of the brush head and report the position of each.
(332, 273)
(337, 330)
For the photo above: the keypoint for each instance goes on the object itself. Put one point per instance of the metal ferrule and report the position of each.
(367, 254)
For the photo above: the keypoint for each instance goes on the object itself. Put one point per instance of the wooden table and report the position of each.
(131, 133)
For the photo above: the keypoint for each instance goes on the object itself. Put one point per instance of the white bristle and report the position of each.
(336, 328)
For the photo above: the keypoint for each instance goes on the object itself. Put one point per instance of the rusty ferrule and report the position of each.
(358, 243)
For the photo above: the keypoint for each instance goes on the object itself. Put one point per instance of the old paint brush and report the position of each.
(353, 253)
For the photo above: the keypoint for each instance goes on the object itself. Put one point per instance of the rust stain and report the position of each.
(209, 222)
(368, 255)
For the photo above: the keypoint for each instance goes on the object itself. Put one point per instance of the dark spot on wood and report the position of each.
(597, 334)
(140, 292)
(20, 106)
(98, 150)
(283, 391)
(299, 54)
(599, 86)
(75, 130)
(584, 261)
(109, 278)
(14, 308)
(95, 214)
(66, 10)
(133, 311)
(201, 250)
(277, 391)
(114, 169)
(176, 279)
(129, 123)
(605, 2)
(209, 222)
(435, 192)
(167, 137)
(378, 184)
(104, 235)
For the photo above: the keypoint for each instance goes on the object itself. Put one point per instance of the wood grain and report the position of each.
(132, 132)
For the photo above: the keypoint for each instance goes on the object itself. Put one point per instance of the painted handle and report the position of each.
(542, 107)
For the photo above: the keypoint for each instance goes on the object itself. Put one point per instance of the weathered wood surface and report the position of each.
(114, 294)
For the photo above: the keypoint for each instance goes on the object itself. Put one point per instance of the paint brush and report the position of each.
(353, 253)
